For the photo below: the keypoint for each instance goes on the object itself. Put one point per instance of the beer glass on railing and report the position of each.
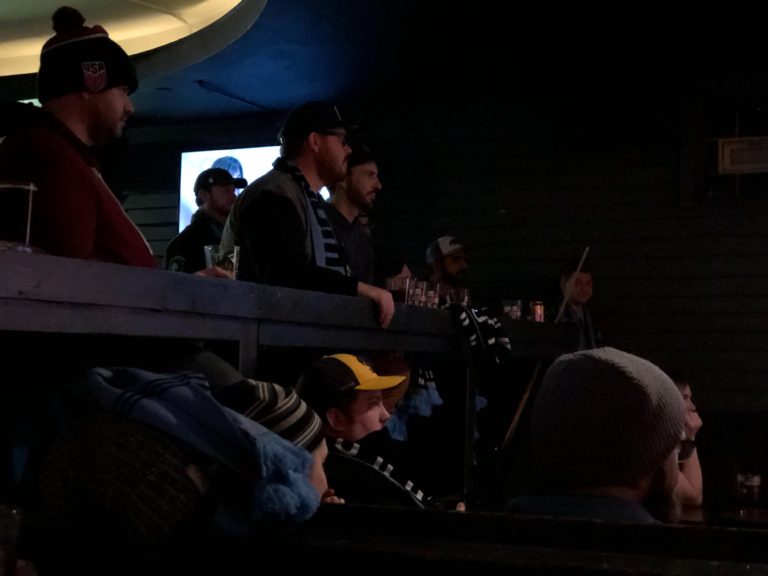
(16, 216)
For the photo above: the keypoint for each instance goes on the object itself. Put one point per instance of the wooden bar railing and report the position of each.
(47, 294)
(41, 293)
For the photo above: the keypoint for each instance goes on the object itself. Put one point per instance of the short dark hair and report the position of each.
(360, 154)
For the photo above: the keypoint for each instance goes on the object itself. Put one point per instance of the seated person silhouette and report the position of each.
(605, 431)
(690, 484)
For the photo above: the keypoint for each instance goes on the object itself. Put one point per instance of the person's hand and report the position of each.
(692, 424)
(215, 272)
(383, 300)
(329, 497)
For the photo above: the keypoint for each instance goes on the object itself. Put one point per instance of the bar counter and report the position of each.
(49, 294)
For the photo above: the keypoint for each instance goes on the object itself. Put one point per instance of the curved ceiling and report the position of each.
(251, 56)
(260, 55)
(136, 25)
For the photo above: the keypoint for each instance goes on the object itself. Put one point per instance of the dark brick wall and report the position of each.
(680, 254)
(681, 274)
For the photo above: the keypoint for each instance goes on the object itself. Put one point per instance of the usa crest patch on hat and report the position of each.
(94, 76)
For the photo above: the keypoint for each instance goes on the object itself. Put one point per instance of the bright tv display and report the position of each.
(253, 162)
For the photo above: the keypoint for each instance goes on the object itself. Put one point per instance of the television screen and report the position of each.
(250, 163)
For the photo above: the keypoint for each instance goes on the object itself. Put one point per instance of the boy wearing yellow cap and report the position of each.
(347, 395)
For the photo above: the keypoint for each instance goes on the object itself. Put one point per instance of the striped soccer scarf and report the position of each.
(326, 248)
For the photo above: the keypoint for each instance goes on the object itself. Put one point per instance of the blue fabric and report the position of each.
(485, 338)
(419, 400)
(397, 426)
(181, 405)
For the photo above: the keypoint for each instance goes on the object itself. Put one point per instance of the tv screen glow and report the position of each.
(255, 162)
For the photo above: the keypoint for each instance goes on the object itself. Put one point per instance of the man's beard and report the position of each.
(662, 502)
(360, 200)
(331, 173)
(108, 134)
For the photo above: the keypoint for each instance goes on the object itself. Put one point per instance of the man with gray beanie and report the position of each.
(606, 428)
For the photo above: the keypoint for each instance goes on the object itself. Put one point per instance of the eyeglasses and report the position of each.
(343, 136)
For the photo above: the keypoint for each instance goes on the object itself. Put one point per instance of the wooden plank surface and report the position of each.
(50, 294)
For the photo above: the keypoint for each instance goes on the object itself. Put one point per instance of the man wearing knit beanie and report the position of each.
(81, 58)
(606, 428)
(84, 82)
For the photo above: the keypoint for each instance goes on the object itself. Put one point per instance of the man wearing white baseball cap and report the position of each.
(447, 260)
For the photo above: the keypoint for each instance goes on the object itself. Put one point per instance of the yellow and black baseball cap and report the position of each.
(333, 378)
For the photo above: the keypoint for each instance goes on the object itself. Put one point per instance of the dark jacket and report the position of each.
(74, 213)
(356, 243)
(269, 223)
(589, 333)
(361, 476)
(185, 252)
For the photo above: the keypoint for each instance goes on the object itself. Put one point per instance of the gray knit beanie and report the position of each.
(604, 417)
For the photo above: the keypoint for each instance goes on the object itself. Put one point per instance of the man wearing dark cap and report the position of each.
(348, 396)
(280, 223)
(215, 195)
(605, 431)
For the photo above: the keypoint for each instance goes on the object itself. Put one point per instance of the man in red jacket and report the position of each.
(84, 83)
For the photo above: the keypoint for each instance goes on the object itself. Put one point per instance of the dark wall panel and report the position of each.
(680, 276)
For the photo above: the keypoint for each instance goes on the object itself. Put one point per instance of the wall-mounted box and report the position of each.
(742, 155)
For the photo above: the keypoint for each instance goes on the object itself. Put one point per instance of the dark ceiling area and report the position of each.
(297, 50)
(409, 54)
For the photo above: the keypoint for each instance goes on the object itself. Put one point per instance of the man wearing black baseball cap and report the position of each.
(280, 223)
(215, 195)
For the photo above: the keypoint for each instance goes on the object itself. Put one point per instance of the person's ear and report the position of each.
(313, 141)
(335, 418)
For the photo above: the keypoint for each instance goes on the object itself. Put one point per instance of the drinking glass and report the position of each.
(228, 261)
(16, 216)
(399, 287)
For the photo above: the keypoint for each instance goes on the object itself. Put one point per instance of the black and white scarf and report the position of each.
(357, 452)
(326, 249)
